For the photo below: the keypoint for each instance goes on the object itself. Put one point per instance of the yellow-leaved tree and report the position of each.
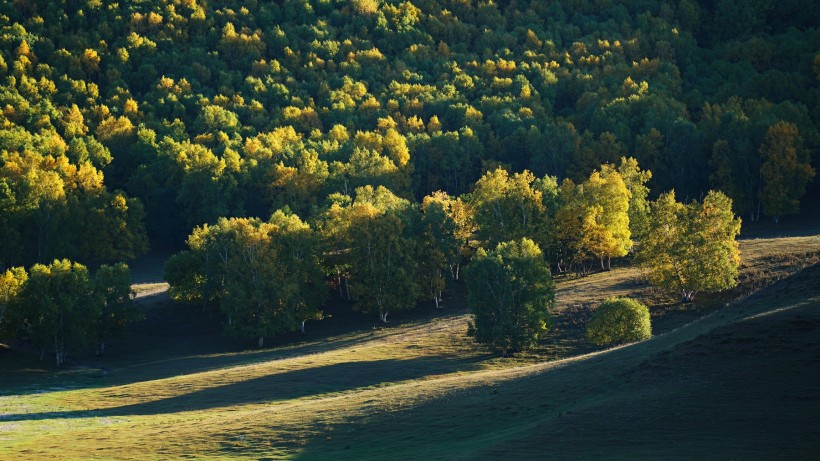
(593, 221)
(692, 248)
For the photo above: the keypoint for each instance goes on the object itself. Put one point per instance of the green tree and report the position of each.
(265, 277)
(618, 321)
(510, 292)
(692, 248)
(508, 207)
(112, 288)
(57, 308)
(635, 180)
(253, 307)
(382, 252)
(440, 246)
(299, 269)
(786, 170)
(183, 272)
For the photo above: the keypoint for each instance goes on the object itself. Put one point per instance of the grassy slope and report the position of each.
(739, 383)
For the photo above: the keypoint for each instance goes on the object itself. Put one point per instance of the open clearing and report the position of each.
(736, 382)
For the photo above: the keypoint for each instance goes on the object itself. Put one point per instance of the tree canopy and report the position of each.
(510, 292)
(692, 248)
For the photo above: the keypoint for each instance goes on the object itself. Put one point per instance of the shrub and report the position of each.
(619, 321)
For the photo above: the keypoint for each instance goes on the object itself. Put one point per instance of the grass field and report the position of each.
(733, 376)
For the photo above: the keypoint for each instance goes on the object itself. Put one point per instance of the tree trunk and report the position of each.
(347, 289)
(261, 341)
(57, 352)
(303, 326)
(383, 317)
(608, 263)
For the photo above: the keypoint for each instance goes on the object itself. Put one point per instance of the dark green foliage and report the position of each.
(56, 310)
(112, 289)
(265, 277)
(509, 292)
(60, 307)
(619, 321)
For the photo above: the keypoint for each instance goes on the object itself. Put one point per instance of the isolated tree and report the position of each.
(692, 248)
(786, 170)
(618, 321)
(509, 291)
(112, 290)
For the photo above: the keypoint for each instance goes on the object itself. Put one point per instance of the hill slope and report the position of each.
(739, 383)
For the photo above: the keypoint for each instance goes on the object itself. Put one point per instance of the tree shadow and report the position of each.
(278, 387)
(178, 339)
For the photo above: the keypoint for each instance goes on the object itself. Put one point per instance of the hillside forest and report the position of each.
(292, 150)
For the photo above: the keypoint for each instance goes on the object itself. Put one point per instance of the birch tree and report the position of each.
(440, 246)
(692, 248)
(382, 252)
(508, 207)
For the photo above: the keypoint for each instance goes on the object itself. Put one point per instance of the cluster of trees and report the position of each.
(61, 307)
(386, 253)
(375, 248)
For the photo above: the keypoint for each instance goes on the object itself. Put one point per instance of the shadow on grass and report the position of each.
(178, 339)
(278, 387)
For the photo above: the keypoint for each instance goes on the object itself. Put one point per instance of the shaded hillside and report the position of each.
(738, 384)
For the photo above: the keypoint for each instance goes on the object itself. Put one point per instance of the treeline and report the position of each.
(194, 111)
(386, 254)
(60, 307)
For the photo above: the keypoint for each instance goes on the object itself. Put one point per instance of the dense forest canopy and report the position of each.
(175, 113)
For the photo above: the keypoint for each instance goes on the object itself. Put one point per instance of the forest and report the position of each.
(376, 147)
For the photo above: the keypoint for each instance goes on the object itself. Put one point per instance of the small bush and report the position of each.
(619, 321)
